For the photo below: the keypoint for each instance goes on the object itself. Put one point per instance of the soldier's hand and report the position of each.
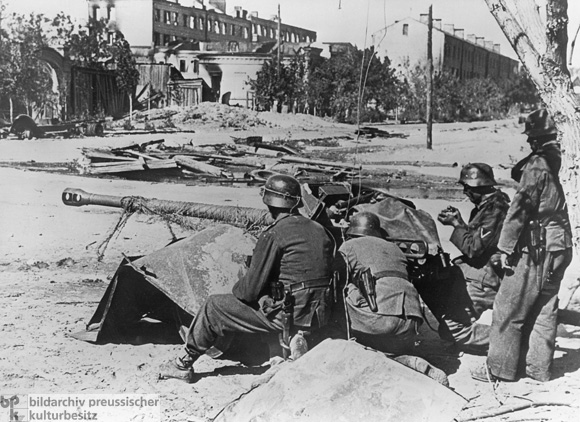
(450, 217)
(495, 260)
(501, 261)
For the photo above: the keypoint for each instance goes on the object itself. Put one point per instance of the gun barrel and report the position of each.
(237, 216)
(78, 197)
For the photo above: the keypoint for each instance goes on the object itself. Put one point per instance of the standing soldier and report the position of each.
(536, 239)
(290, 273)
(475, 279)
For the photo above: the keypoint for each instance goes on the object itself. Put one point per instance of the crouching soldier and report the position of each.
(292, 260)
(475, 277)
(382, 306)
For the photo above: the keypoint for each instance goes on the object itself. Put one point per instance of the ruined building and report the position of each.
(465, 56)
(191, 50)
(150, 24)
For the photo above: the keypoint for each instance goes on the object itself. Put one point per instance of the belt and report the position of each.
(318, 283)
(391, 273)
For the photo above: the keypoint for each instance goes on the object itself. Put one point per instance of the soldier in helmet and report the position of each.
(475, 278)
(536, 239)
(385, 315)
(293, 254)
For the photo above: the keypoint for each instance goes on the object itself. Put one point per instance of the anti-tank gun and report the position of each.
(329, 203)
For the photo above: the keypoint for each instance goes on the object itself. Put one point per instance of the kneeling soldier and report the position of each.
(293, 256)
(382, 305)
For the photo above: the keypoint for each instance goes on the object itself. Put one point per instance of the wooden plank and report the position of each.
(140, 155)
(161, 164)
(140, 146)
(104, 155)
(132, 166)
(197, 166)
(301, 160)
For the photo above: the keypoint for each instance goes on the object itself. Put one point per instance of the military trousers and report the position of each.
(225, 314)
(524, 324)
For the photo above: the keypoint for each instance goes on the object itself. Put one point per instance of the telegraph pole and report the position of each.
(429, 110)
(279, 43)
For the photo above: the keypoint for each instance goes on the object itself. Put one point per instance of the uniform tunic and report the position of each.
(473, 282)
(293, 249)
(394, 326)
(524, 323)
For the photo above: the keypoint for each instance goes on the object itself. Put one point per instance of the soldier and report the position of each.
(383, 311)
(536, 239)
(475, 279)
(294, 255)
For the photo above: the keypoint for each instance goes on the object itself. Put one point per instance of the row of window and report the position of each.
(166, 39)
(222, 28)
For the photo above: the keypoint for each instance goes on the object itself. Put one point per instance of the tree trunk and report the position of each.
(539, 37)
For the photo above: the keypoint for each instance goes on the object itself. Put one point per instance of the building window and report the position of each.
(175, 16)
(95, 12)
(166, 17)
(245, 32)
(233, 46)
(195, 66)
(405, 29)
(157, 15)
(233, 30)
(182, 66)
(156, 38)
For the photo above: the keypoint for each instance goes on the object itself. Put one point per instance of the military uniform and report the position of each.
(524, 324)
(459, 301)
(295, 251)
(393, 328)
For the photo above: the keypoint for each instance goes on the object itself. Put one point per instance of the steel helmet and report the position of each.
(477, 175)
(365, 224)
(282, 191)
(539, 123)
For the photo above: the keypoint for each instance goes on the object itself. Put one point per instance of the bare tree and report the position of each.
(538, 34)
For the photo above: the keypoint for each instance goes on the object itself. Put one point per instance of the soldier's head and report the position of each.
(540, 128)
(282, 193)
(365, 224)
(477, 180)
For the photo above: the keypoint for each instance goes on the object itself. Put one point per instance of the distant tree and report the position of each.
(456, 99)
(521, 90)
(96, 47)
(354, 80)
(280, 84)
(25, 79)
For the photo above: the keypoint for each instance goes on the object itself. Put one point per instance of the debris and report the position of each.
(91, 280)
(130, 166)
(511, 409)
(301, 160)
(66, 262)
(197, 166)
(140, 147)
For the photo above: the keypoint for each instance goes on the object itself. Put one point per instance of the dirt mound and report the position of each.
(341, 380)
(219, 116)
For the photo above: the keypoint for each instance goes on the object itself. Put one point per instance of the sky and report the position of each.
(351, 21)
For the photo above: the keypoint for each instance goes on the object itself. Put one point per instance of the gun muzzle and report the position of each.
(78, 197)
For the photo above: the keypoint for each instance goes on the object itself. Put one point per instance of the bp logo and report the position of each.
(13, 408)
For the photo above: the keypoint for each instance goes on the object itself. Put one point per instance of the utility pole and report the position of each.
(279, 43)
(429, 106)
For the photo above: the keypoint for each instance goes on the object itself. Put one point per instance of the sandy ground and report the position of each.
(52, 281)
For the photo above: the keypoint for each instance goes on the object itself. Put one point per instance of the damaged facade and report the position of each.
(465, 56)
(211, 55)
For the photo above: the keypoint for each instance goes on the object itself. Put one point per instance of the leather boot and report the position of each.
(180, 368)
